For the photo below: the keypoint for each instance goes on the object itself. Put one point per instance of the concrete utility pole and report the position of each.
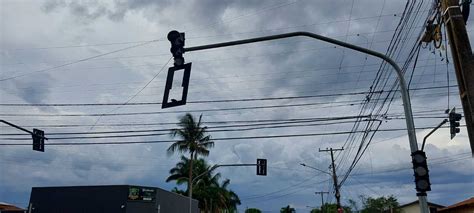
(322, 198)
(463, 60)
(334, 176)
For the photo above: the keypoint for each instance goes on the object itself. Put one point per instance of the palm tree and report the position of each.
(211, 193)
(180, 173)
(229, 197)
(193, 139)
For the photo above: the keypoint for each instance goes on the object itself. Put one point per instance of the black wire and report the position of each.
(214, 139)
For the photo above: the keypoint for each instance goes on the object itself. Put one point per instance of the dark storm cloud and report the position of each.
(187, 13)
(32, 90)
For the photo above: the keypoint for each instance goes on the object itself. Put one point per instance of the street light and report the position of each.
(302, 164)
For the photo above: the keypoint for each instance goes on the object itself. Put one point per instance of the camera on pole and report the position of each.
(454, 119)
(420, 167)
(38, 140)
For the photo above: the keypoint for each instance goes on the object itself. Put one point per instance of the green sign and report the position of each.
(136, 193)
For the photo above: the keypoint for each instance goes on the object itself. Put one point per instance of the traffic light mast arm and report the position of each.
(21, 128)
(432, 131)
(403, 85)
(222, 165)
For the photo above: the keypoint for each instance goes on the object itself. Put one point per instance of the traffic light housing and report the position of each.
(262, 167)
(420, 167)
(38, 140)
(177, 46)
(454, 119)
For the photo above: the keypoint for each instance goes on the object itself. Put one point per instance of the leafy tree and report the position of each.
(253, 210)
(193, 139)
(353, 205)
(287, 209)
(380, 204)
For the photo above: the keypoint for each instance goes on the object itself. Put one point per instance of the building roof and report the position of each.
(416, 202)
(465, 203)
(9, 207)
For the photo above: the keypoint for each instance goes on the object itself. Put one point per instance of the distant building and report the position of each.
(102, 199)
(466, 206)
(9, 208)
(414, 207)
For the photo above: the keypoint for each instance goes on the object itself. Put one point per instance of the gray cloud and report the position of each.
(272, 69)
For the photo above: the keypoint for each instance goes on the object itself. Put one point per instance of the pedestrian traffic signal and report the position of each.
(454, 119)
(177, 46)
(420, 167)
(262, 167)
(38, 140)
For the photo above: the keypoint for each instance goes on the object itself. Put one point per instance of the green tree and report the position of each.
(353, 205)
(193, 140)
(212, 194)
(380, 204)
(330, 207)
(253, 210)
(287, 209)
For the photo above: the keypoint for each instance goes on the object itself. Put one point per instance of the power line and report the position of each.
(214, 139)
(211, 101)
(77, 61)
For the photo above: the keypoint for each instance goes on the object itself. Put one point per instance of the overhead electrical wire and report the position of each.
(214, 139)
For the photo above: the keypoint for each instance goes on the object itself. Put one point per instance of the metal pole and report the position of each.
(403, 86)
(22, 129)
(432, 131)
(322, 198)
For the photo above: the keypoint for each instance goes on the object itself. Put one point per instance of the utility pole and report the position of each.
(322, 199)
(462, 58)
(334, 176)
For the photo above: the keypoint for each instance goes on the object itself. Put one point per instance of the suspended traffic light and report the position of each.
(177, 46)
(38, 140)
(454, 119)
(420, 167)
(262, 167)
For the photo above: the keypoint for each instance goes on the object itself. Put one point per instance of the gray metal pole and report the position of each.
(403, 86)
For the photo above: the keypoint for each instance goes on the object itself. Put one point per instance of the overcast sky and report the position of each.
(39, 37)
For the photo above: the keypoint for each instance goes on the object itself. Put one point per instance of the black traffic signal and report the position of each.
(38, 140)
(177, 46)
(454, 119)
(262, 167)
(420, 167)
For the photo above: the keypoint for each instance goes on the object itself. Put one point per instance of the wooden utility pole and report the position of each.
(334, 176)
(463, 60)
(322, 199)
